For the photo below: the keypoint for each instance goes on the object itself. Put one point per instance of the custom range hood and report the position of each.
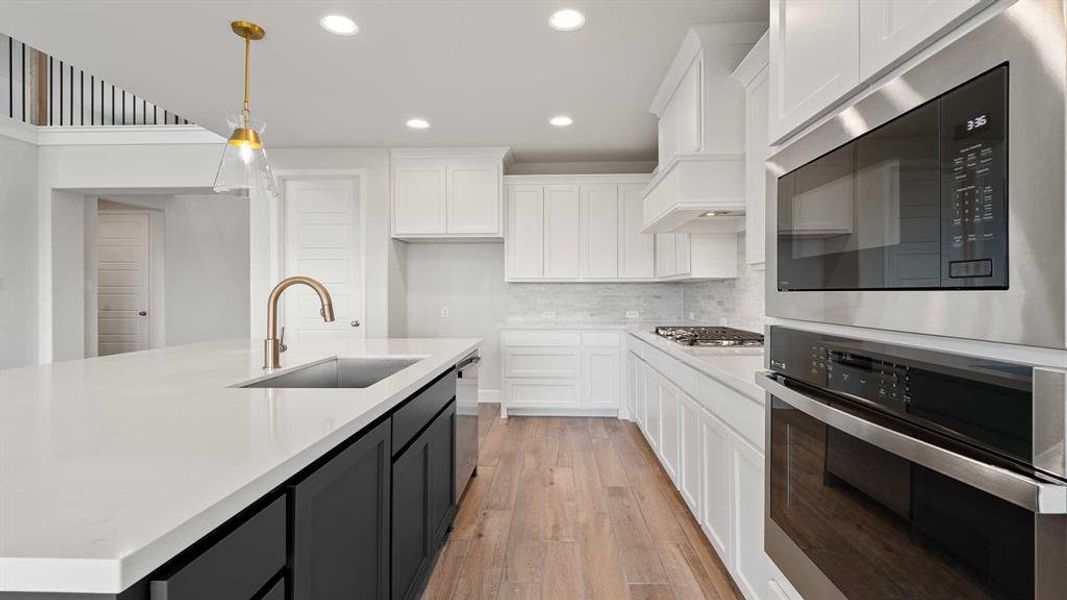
(699, 184)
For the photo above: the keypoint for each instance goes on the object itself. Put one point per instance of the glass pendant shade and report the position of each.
(244, 168)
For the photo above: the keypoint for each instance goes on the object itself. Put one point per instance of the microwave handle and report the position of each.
(1033, 495)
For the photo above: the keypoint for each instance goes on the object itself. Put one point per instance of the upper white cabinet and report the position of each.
(823, 50)
(814, 48)
(695, 256)
(753, 73)
(448, 193)
(576, 228)
(893, 29)
(701, 109)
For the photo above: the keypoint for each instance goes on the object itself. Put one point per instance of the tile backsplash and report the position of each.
(593, 302)
(737, 301)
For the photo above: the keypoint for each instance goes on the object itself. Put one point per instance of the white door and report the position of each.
(473, 199)
(652, 393)
(600, 231)
(814, 59)
(715, 487)
(636, 249)
(639, 390)
(322, 241)
(600, 378)
(751, 565)
(419, 199)
(525, 239)
(562, 232)
(892, 29)
(669, 397)
(122, 265)
(689, 478)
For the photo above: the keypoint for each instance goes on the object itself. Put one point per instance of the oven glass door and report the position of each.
(880, 526)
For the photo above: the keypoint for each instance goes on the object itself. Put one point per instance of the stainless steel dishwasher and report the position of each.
(466, 421)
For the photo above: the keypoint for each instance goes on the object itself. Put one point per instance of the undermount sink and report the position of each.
(337, 373)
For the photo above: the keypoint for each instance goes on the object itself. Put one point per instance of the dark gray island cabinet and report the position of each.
(365, 521)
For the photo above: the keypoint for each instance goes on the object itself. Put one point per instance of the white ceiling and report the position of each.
(485, 73)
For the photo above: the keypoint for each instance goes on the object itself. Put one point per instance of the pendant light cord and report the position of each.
(245, 114)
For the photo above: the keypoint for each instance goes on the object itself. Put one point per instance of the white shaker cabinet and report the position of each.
(669, 401)
(562, 230)
(753, 73)
(752, 566)
(636, 249)
(891, 30)
(690, 473)
(814, 59)
(715, 488)
(526, 231)
(448, 193)
(599, 253)
(695, 256)
(600, 378)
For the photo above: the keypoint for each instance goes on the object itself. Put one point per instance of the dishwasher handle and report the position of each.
(467, 363)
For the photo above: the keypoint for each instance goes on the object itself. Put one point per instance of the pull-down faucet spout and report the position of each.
(272, 346)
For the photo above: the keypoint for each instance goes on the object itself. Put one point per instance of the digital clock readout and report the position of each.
(972, 126)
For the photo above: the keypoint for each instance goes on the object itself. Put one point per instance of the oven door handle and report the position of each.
(1031, 494)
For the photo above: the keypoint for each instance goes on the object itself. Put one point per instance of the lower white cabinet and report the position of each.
(564, 372)
(700, 430)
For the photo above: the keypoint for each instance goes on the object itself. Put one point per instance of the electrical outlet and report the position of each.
(548, 314)
(444, 312)
(633, 314)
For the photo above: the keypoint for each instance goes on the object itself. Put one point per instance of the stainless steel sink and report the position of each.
(337, 373)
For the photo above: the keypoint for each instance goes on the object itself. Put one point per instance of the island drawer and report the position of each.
(416, 413)
(236, 566)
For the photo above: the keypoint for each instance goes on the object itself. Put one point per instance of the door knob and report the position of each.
(143, 313)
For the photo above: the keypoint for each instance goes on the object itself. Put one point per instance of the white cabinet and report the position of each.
(447, 193)
(419, 199)
(814, 59)
(576, 228)
(753, 73)
(891, 30)
(562, 242)
(669, 400)
(652, 404)
(525, 256)
(751, 565)
(473, 194)
(636, 250)
(715, 489)
(599, 238)
(695, 256)
(566, 372)
(690, 473)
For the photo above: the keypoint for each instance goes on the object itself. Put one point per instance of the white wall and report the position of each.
(18, 253)
(68, 275)
(468, 279)
(206, 268)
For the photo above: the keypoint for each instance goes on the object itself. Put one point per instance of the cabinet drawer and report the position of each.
(540, 338)
(236, 566)
(417, 413)
(548, 394)
(552, 363)
(608, 339)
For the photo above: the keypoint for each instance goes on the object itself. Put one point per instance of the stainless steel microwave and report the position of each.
(935, 203)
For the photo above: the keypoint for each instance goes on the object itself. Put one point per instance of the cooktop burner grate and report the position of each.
(709, 336)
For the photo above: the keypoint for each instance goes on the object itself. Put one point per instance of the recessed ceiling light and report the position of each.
(560, 121)
(567, 19)
(418, 124)
(339, 25)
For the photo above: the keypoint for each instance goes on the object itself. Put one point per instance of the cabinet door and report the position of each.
(562, 232)
(751, 565)
(599, 231)
(682, 256)
(666, 256)
(600, 378)
(636, 249)
(715, 486)
(652, 404)
(757, 151)
(340, 516)
(526, 231)
(474, 199)
(680, 123)
(814, 59)
(423, 479)
(893, 29)
(689, 456)
(669, 398)
(419, 200)
(639, 391)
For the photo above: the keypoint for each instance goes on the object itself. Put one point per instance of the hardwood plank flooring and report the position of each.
(576, 508)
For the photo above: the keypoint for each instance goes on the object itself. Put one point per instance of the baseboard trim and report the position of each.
(518, 411)
(489, 396)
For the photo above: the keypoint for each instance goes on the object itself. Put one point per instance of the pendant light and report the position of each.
(244, 169)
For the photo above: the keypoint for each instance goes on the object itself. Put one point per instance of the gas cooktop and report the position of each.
(691, 335)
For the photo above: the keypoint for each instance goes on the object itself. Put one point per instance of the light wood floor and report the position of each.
(576, 508)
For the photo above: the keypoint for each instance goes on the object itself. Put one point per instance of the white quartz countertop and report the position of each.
(734, 367)
(111, 466)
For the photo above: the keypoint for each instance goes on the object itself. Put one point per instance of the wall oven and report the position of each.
(935, 203)
(895, 472)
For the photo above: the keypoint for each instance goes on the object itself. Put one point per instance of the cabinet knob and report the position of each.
(354, 323)
(143, 313)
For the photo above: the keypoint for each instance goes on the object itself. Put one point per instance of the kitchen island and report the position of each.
(112, 467)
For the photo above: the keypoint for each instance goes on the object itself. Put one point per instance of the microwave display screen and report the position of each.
(917, 203)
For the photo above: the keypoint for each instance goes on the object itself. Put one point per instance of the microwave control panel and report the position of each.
(974, 163)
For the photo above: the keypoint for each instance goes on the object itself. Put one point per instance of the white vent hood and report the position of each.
(701, 111)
